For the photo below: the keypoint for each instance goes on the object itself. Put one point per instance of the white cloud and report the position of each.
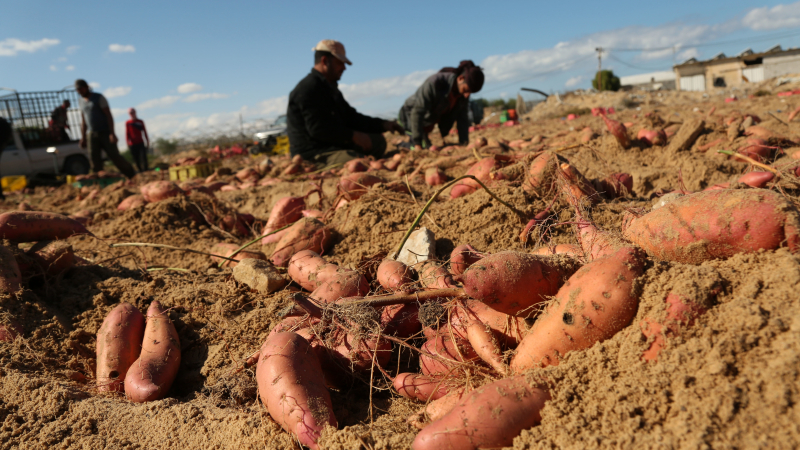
(120, 91)
(69, 68)
(273, 106)
(62, 59)
(687, 54)
(205, 96)
(11, 46)
(573, 81)
(187, 88)
(119, 48)
(54, 68)
(116, 112)
(72, 49)
(158, 102)
(94, 85)
(385, 87)
(780, 16)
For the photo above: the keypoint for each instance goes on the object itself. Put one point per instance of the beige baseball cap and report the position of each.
(335, 48)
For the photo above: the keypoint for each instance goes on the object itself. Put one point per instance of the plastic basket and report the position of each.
(14, 182)
(182, 173)
(100, 182)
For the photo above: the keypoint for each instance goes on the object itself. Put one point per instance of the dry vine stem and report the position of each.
(750, 160)
(519, 213)
(168, 247)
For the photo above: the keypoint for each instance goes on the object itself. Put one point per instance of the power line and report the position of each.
(707, 44)
(631, 65)
(537, 75)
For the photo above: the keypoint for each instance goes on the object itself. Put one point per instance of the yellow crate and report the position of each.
(14, 182)
(182, 173)
(281, 146)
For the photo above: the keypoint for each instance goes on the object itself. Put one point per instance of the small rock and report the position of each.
(687, 134)
(420, 246)
(259, 275)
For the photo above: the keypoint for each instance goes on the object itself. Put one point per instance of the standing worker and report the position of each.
(136, 144)
(321, 125)
(58, 122)
(5, 137)
(97, 130)
(443, 99)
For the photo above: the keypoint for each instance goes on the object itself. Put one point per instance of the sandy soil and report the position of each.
(729, 381)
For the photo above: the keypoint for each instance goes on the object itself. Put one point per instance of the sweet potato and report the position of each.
(303, 268)
(353, 186)
(434, 276)
(483, 170)
(447, 353)
(567, 249)
(291, 385)
(248, 174)
(618, 130)
(595, 303)
(462, 257)
(285, 211)
(119, 343)
(579, 187)
(306, 234)
(511, 282)
(155, 191)
(394, 275)
(488, 417)
(358, 353)
(756, 179)
(401, 320)
(421, 387)
(652, 137)
(437, 409)
(507, 330)
(10, 276)
(715, 225)
(434, 176)
(151, 376)
(334, 283)
(681, 312)
(356, 165)
(616, 185)
(55, 258)
(31, 226)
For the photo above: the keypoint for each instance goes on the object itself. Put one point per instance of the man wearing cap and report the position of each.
(97, 130)
(321, 125)
(443, 99)
(134, 129)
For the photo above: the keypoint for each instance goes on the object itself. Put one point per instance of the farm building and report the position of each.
(732, 71)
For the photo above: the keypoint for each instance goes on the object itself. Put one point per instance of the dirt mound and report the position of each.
(730, 380)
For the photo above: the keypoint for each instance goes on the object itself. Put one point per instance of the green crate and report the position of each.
(100, 182)
(182, 173)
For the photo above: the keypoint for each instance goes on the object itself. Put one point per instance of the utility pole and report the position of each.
(598, 77)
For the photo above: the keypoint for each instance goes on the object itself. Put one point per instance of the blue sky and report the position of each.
(190, 67)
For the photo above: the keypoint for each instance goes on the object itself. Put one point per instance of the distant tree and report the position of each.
(483, 102)
(166, 146)
(607, 81)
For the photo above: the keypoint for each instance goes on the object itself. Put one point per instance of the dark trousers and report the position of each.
(342, 156)
(139, 153)
(99, 143)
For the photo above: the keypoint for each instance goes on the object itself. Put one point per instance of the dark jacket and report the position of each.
(430, 105)
(319, 119)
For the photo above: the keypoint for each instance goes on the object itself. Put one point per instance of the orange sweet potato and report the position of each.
(462, 257)
(421, 387)
(595, 303)
(511, 282)
(226, 249)
(151, 376)
(306, 234)
(354, 185)
(394, 275)
(488, 417)
(32, 226)
(715, 225)
(286, 210)
(119, 343)
(292, 386)
(156, 191)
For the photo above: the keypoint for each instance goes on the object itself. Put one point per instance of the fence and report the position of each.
(29, 113)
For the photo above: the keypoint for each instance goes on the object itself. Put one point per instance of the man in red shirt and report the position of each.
(134, 129)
